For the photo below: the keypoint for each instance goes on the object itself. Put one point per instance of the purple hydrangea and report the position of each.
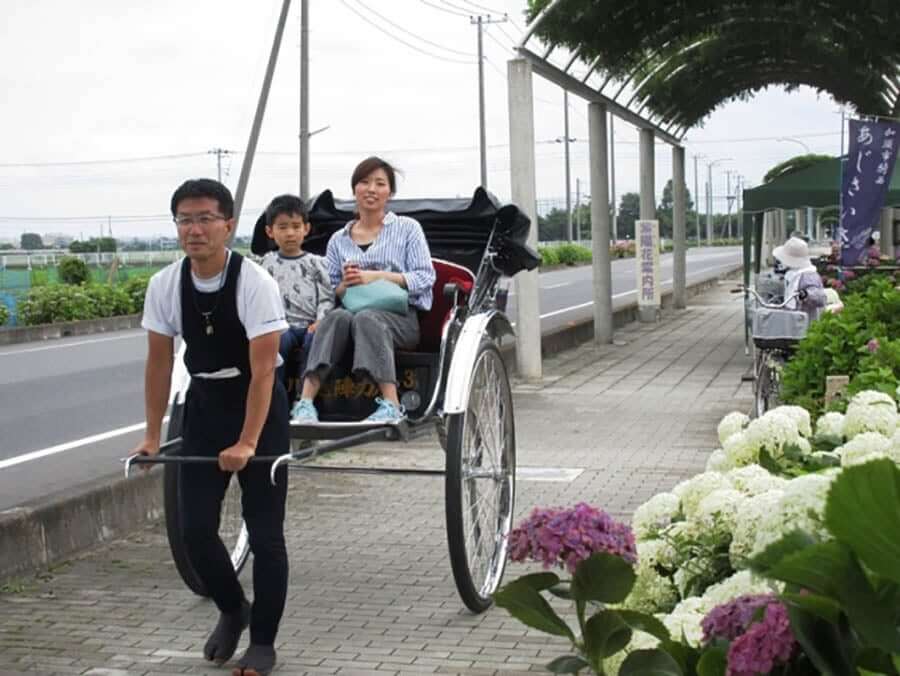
(873, 345)
(764, 646)
(730, 620)
(565, 537)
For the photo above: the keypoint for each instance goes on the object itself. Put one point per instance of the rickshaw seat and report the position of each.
(431, 323)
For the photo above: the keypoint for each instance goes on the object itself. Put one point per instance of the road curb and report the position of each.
(28, 334)
(47, 531)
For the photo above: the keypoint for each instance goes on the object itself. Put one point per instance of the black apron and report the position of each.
(215, 339)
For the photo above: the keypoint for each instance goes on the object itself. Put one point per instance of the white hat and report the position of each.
(793, 254)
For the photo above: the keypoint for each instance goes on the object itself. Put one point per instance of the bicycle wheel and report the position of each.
(767, 383)
(232, 528)
(480, 481)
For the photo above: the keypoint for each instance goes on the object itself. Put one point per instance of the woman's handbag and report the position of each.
(378, 295)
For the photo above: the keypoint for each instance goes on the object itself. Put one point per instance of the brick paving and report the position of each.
(370, 586)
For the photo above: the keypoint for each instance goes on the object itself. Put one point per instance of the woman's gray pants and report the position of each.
(375, 334)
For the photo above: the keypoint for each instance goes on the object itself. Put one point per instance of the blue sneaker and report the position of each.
(387, 411)
(304, 412)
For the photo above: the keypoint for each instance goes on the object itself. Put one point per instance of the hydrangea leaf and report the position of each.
(713, 662)
(650, 663)
(528, 606)
(820, 606)
(863, 510)
(826, 645)
(538, 581)
(794, 541)
(605, 634)
(603, 577)
(645, 623)
(567, 664)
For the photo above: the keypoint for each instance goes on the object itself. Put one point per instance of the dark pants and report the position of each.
(295, 342)
(214, 414)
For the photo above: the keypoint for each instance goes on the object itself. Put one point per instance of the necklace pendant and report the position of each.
(209, 329)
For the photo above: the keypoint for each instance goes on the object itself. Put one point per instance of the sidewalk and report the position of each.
(371, 589)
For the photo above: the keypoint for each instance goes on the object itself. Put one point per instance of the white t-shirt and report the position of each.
(259, 305)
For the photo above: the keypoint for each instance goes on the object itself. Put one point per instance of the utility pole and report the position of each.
(612, 179)
(304, 99)
(568, 173)
(481, 21)
(577, 210)
(730, 199)
(218, 152)
(697, 199)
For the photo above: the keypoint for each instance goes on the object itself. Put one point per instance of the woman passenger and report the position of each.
(377, 244)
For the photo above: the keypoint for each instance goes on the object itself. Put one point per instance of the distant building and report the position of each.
(57, 240)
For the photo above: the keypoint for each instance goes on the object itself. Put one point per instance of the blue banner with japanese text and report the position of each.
(866, 176)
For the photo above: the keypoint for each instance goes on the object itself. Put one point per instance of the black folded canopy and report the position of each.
(457, 229)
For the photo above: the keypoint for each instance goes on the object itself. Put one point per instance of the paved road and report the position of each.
(69, 409)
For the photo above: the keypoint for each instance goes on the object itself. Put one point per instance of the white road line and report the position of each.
(64, 345)
(69, 445)
(556, 286)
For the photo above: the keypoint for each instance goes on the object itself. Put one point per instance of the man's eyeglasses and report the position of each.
(203, 220)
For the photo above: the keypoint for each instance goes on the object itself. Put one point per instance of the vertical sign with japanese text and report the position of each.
(647, 257)
(866, 176)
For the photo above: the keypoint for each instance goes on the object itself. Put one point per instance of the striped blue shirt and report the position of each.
(399, 247)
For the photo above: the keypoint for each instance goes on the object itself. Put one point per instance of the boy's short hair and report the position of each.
(286, 204)
(198, 188)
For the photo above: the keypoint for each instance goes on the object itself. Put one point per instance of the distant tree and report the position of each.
(104, 244)
(6, 246)
(666, 207)
(629, 212)
(552, 227)
(31, 240)
(73, 270)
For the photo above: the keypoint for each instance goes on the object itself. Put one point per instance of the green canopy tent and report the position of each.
(815, 186)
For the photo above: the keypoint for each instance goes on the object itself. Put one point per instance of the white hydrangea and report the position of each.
(874, 412)
(656, 553)
(772, 432)
(718, 462)
(685, 619)
(639, 641)
(742, 582)
(655, 514)
(799, 415)
(692, 491)
(652, 592)
(830, 425)
(864, 447)
(740, 450)
(697, 572)
(732, 423)
(754, 480)
(802, 507)
(718, 511)
(753, 512)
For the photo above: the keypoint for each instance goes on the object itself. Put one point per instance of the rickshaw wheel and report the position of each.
(480, 481)
(232, 529)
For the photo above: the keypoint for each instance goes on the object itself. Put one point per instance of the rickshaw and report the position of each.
(455, 381)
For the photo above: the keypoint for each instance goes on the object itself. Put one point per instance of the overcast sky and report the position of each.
(105, 80)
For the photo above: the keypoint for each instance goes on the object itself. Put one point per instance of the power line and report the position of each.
(125, 160)
(413, 35)
(401, 40)
(444, 9)
(481, 7)
(457, 7)
(497, 41)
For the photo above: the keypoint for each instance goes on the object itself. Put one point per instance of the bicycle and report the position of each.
(775, 332)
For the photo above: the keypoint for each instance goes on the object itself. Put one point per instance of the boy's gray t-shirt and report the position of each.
(305, 286)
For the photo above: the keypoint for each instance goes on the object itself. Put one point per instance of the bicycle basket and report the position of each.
(778, 329)
(770, 286)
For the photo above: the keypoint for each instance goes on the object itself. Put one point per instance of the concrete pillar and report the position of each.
(769, 218)
(679, 229)
(524, 195)
(600, 223)
(647, 313)
(800, 220)
(887, 232)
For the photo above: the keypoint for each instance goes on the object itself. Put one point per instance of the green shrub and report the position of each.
(549, 256)
(73, 270)
(67, 302)
(839, 344)
(39, 277)
(109, 301)
(55, 303)
(4, 314)
(136, 288)
(572, 254)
